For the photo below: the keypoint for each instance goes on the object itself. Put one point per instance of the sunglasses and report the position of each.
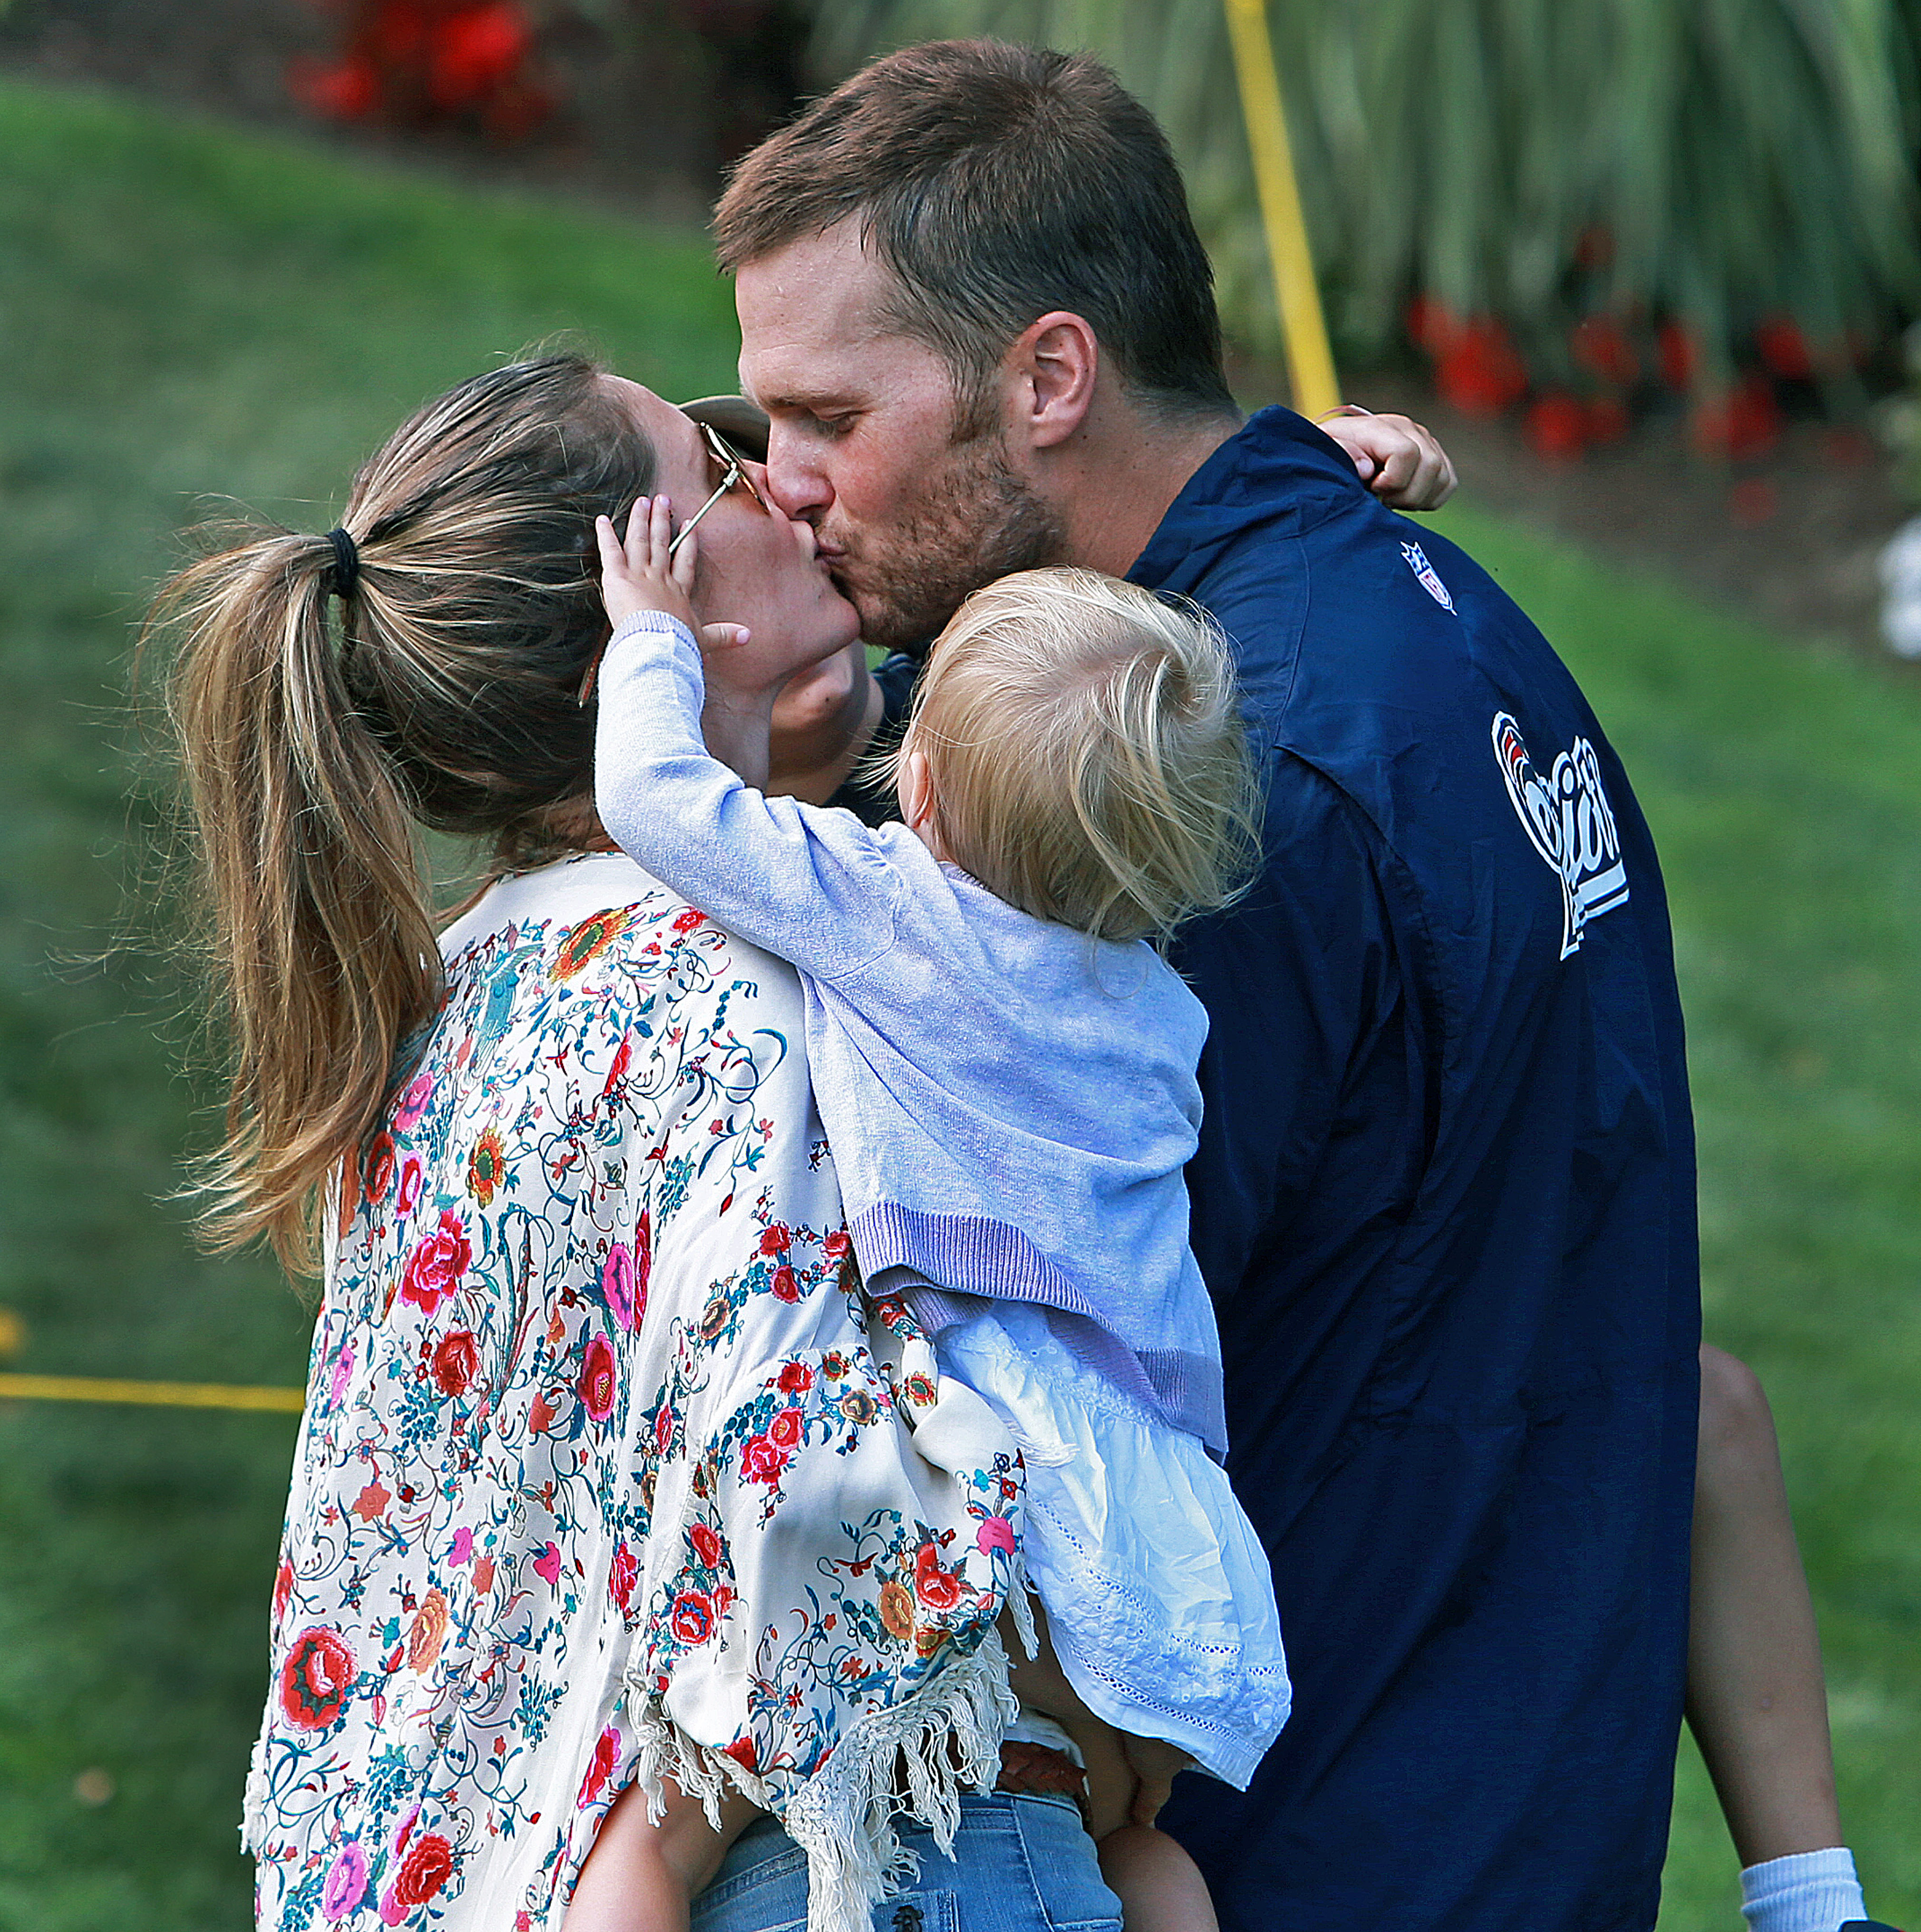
(732, 468)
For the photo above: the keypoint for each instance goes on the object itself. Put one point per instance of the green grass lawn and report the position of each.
(185, 312)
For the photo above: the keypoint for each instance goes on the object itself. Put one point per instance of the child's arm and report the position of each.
(642, 1877)
(815, 887)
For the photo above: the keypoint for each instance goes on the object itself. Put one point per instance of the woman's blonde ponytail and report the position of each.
(318, 929)
(329, 695)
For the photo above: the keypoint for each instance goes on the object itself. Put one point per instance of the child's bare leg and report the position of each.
(1160, 1888)
(642, 1877)
(1756, 1702)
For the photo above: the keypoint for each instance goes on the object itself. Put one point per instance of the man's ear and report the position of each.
(1053, 365)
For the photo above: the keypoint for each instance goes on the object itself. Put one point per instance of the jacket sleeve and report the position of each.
(812, 885)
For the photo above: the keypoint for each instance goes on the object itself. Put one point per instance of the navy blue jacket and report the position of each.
(1444, 1203)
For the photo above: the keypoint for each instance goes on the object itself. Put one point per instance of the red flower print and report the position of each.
(743, 1753)
(427, 1866)
(623, 1058)
(283, 1589)
(837, 1246)
(626, 1573)
(588, 941)
(795, 1378)
(434, 1268)
(784, 1432)
(606, 1756)
(486, 1167)
(596, 1382)
(663, 1429)
(691, 1619)
(686, 922)
(776, 1240)
(785, 1287)
(379, 1169)
(315, 1679)
(706, 1545)
(939, 1589)
(410, 1180)
(760, 1462)
(456, 1362)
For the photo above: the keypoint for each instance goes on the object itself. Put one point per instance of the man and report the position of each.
(1444, 1200)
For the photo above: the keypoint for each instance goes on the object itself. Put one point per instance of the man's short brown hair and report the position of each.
(997, 183)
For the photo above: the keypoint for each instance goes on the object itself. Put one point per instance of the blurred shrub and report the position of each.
(1586, 199)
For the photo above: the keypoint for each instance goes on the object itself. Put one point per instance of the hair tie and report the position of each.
(346, 572)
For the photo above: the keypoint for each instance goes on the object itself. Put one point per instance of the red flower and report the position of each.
(795, 1378)
(760, 1462)
(1601, 345)
(434, 1268)
(410, 1184)
(686, 922)
(937, 1588)
(1431, 325)
(597, 1381)
(1481, 373)
(836, 1246)
(626, 1573)
(776, 1240)
(706, 1545)
(476, 51)
(623, 1058)
(486, 1166)
(283, 1589)
(784, 1432)
(1783, 349)
(600, 1768)
(692, 1618)
(380, 1174)
(784, 1285)
(427, 1866)
(1557, 427)
(1680, 356)
(663, 1428)
(349, 91)
(743, 1753)
(1745, 422)
(456, 1362)
(315, 1679)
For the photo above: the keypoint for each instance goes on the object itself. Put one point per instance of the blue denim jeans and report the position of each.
(1020, 1864)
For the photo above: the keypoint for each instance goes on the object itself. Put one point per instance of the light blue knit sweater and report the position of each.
(1010, 1102)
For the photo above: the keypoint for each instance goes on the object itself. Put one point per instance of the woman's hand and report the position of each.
(646, 573)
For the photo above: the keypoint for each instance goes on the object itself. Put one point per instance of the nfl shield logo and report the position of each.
(1430, 581)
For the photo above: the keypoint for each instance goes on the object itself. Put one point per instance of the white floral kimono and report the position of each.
(606, 1471)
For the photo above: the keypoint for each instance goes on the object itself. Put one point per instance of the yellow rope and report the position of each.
(166, 1395)
(1309, 361)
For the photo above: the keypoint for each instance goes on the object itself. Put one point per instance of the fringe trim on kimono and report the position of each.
(909, 1763)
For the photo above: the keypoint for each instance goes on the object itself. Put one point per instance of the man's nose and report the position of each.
(797, 486)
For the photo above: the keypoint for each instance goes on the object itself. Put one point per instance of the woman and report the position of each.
(601, 1479)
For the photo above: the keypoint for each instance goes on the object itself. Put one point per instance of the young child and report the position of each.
(1006, 1071)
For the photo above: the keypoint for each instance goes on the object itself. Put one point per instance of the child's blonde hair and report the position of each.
(1087, 756)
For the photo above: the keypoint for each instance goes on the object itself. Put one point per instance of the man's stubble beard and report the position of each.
(977, 522)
